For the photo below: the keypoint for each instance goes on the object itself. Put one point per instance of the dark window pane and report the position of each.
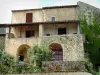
(29, 33)
(47, 34)
(21, 58)
(61, 31)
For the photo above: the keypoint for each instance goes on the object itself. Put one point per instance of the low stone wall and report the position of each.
(63, 66)
(59, 73)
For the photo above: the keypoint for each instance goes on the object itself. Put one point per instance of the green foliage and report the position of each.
(92, 42)
(6, 63)
(27, 68)
(37, 54)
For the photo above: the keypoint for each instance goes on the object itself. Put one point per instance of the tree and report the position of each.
(92, 42)
(37, 54)
(6, 63)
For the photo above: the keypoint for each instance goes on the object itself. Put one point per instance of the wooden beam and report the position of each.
(9, 32)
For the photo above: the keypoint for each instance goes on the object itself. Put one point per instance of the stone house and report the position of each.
(58, 27)
(60, 30)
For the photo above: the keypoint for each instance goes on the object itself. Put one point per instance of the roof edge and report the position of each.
(64, 6)
(49, 22)
(49, 7)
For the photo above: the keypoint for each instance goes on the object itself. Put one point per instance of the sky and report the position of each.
(7, 5)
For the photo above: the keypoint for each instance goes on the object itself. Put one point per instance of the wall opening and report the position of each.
(57, 51)
(22, 53)
(61, 31)
(29, 33)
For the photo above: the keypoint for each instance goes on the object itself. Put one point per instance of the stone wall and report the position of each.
(86, 9)
(59, 73)
(43, 15)
(72, 45)
(83, 8)
(60, 14)
(2, 42)
(20, 16)
(63, 66)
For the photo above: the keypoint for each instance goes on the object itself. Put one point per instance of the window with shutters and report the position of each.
(53, 19)
(29, 17)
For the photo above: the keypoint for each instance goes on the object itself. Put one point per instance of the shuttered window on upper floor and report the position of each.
(53, 19)
(29, 17)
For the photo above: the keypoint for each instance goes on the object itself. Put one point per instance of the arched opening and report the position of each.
(22, 52)
(57, 51)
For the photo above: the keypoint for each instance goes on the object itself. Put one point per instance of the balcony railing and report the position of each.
(20, 41)
(60, 35)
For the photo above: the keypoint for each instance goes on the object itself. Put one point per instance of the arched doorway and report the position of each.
(22, 52)
(57, 51)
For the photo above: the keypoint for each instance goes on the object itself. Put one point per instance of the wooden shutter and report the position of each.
(28, 17)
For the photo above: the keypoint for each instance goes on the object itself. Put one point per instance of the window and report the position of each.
(47, 34)
(61, 31)
(21, 58)
(28, 17)
(29, 33)
(53, 19)
(57, 54)
(57, 51)
(89, 18)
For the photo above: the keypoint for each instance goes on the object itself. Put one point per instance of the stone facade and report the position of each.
(44, 15)
(84, 8)
(63, 66)
(72, 45)
(73, 51)
(87, 10)
(71, 42)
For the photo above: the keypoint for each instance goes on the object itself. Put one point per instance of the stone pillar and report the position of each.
(9, 32)
(78, 29)
(40, 30)
(20, 31)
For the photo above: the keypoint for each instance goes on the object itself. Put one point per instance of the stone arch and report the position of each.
(57, 51)
(22, 52)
